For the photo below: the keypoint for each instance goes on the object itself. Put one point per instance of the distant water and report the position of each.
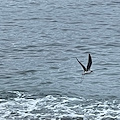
(40, 78)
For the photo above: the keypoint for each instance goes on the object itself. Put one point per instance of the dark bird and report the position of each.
(86, 70)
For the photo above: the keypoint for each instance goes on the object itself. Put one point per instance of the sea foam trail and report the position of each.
(58, 108)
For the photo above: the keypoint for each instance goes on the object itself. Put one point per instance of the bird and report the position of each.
(86, 70)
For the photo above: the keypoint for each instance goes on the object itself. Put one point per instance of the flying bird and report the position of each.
(86, 70)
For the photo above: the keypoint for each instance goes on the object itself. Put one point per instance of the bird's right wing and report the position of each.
(89, 62)
(82, 65)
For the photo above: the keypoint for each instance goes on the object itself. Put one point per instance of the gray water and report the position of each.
(40, 78)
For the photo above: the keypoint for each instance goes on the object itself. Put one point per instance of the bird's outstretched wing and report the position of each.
(82, 65)
(89, 62)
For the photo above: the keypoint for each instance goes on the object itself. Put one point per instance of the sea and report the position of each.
(40, 78)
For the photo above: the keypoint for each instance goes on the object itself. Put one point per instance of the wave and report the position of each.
(57, 108)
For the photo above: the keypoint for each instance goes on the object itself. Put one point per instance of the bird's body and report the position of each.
(86, 70)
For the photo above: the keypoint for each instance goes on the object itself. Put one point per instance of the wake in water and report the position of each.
(58, 108)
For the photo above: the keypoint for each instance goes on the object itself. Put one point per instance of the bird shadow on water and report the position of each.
(81, 80)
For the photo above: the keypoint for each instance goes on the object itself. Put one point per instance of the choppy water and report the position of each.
(40, 78)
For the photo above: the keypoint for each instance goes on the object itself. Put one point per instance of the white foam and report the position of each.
(58, 107)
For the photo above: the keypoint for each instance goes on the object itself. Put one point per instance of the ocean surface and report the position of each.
(40, 78)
